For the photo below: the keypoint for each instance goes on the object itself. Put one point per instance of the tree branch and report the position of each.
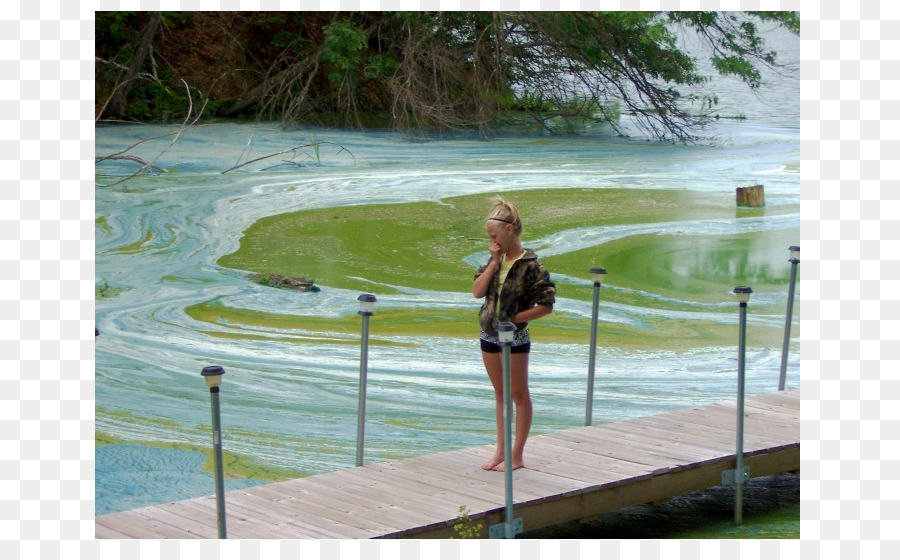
(294, 149)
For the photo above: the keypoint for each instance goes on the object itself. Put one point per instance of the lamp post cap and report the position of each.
(213, 370)
(598, 271)
(506, 332)
(367, 304)
(793, 248)
(743, 290)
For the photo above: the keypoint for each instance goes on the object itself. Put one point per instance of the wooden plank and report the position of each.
(195, 510)
(751, 418)
(329, 514)
(708, 420)
(240, 523)
(427, 498)
(387, 517)
(137, 525)
(392, 502)
(262, 515)
(584, 455)
(592, 465)
(598, 444)
(783, 460)
(101, 531)
(774, 411)
(628, 469)
(309, 525)
(425, 491)
(680, 452)
(783, 399)
(712, 429)
(199, 529)
(680, 428)
(786, 399)
(485, 484)
(666, 449)
(591, 478)
(449, 482)
(540, 485)
(468, 472)
(751, 414)
(639, 471)
(713, 444)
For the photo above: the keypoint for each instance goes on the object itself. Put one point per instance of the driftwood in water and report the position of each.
(751, 197)
(278, 281)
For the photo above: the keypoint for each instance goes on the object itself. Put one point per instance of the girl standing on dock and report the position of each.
(517, 288)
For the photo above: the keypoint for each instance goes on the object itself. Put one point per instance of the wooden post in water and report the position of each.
(751, 197)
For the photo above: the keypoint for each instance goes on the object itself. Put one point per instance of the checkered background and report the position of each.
(851, 258)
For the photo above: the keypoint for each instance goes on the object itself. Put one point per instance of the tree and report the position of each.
(115, 107)
(470, 70)
(450, 70)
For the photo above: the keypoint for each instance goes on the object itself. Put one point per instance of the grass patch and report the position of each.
(421, 245)
(701, 269)
(560, 327)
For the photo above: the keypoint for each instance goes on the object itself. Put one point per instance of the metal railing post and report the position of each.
(599, 274)
(366, 303)
(741, 474)
(213, 378)
(794, 260)
(511, 526)
(509, 530)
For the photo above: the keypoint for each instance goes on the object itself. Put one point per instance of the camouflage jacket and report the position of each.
(527, 284)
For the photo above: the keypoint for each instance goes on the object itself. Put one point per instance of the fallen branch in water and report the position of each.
(144, 164)
(152, 164)
(294, 149)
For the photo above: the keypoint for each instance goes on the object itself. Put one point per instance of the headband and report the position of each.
(502, 220)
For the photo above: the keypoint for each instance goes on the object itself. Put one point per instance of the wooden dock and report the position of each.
(570, 475)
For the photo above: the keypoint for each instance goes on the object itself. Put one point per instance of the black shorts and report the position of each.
(521, 343)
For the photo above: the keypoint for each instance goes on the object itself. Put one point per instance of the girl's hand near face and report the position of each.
(496, 252)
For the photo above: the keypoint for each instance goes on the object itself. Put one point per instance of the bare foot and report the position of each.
(493, 462)
(517, 464)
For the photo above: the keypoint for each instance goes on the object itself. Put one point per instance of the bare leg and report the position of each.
(524, 412)
(494, 365)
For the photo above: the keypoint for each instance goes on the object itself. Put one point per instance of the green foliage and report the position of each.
(150, 100)
(739, 67)
(466, 527)
(114, 30)
(282, 30)
(790, 20)
(343, 47)
(444, 70)
(381, 65)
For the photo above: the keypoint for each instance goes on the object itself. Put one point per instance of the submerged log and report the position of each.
(278, 281)
(751, 197)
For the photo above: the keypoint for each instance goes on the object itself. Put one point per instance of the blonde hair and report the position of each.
(506, 212)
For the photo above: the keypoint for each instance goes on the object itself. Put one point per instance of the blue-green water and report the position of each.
(132, 472)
